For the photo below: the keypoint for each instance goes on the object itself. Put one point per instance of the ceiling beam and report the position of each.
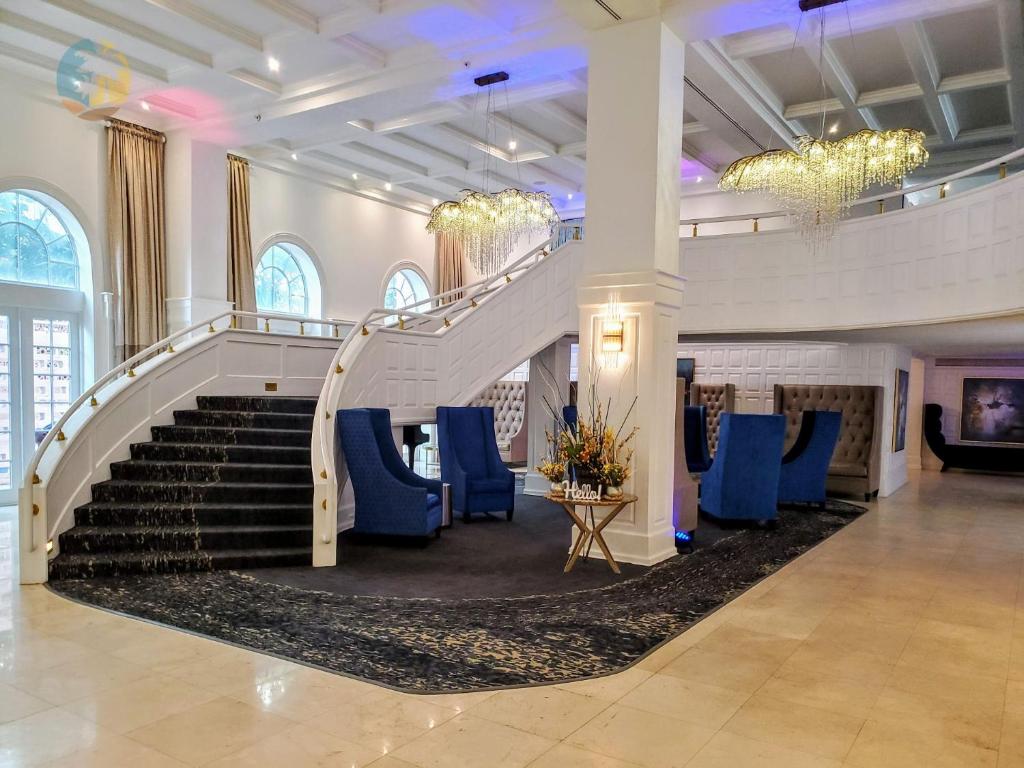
(428, 149)
(218, 24)
(1011, 37)
(840, 82)
(133, 29)
(364, 53)
(67, 39)
(925, 67)
(292, 13)
(556, 111)
(256, 80)
(974, 80)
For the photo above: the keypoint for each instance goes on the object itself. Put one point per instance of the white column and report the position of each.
(634, 140)
(197, 217)
(549, 378)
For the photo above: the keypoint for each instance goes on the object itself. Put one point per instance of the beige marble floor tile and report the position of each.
(460, 702)
(886, 745)
(300, 747)
(16, 704)
(303, 694)
(566, 756)
(139, 703)
(229, 670)
(43, 737)
(549, 712)
(687, 700)
(840, 630)
(35, 651)
(729, 750)
(609, 687)
(389, 761)
(958, 649)
(975, 722)
(956, 687)
(740, 641)
(113, 751)
(382, 722)
(76, 679)
(467, 740)
(209, 731)
(823, 691)
(722, 670)
(795, 726)
(169, 649)
(644, 738)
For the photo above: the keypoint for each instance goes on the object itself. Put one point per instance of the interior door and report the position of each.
(8, 417)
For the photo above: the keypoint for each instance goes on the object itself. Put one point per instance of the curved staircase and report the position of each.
(228, 485)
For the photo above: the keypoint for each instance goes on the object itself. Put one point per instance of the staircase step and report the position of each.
(231, 436)
(207, 472)
(85, 566)
(132, 490)
(244, 419)
(127, 513)
(245, 454)
(257, 404)
(170, 538)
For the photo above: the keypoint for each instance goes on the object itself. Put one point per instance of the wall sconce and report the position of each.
(611, 335)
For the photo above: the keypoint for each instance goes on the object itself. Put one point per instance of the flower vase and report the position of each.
(613, 492)
(557, 489)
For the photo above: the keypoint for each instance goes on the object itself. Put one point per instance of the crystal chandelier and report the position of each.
(819, 181)
(488, 225)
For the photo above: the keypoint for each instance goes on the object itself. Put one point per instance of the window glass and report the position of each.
(35, 245)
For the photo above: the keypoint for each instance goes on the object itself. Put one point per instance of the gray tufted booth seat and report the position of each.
(718, 399)
(857, 459)
(508, 399)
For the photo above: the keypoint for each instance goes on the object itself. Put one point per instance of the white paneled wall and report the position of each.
(756, 368)
(954, 259)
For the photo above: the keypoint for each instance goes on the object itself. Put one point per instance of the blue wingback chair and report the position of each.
(470, 462)
(695, 439)
(743, 482)
(391, 499)
(570, 415)
(805, 465)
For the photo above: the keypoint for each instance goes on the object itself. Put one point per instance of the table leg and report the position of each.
(596, 534)
(581, 538)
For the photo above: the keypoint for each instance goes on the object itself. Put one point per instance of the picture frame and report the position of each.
(900, 409)
(685, 367)
(992, 410)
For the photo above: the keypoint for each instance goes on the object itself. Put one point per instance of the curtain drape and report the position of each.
(241, 280)
(136, 235)
(448, 265)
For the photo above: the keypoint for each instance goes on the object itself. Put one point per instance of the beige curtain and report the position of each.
(448, 265)
(136, 233)
(241, 281)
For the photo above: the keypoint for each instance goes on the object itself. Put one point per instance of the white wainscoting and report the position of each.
(229, 362)
(956, 258)
(756, 368)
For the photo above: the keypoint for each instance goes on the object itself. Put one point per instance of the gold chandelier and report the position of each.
(819, 181)
(488, 225)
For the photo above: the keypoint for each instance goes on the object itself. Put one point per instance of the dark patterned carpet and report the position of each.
(429, 645)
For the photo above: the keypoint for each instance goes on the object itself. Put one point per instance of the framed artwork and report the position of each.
(899, 422)
(684, 370)
(992, 411)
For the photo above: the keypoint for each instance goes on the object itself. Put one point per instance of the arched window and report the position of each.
(287, 281)
(406, 287)
(35, 244)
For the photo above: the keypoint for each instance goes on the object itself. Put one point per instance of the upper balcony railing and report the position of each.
(865, 206)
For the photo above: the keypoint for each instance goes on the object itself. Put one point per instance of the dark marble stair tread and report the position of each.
(211, 505)
(274, 454)
(141, 470)
(141, 530)
(244, 419)
(206, 434)
(91, 565)
(255, 404)
(161, 513)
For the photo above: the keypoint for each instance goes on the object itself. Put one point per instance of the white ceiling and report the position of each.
(379, 92)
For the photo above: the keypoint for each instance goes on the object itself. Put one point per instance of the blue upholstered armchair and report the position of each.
(391, 499)
(805, 465)
(743, 482)
(471, 464)
(570, 415)
(695, 439)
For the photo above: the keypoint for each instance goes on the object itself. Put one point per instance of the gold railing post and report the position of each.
(756, 227)
(942, 192)
(1002, 170)
(881, 206)
(694, 234)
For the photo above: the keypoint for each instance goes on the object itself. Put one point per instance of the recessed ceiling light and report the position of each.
(387, 186)
(512, 144)
(434, 200)
(355, 176)
(145, 105)
(834, 128)
(569, 196)
(273, 64)
(700, 179)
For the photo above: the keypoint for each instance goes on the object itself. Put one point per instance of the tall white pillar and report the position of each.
(197, 218)
(634, 143)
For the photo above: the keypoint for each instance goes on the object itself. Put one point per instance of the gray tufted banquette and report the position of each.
(718, 399)
(508, 399)
(857, 459)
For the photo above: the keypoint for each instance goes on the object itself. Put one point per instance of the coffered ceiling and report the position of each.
(376, 96)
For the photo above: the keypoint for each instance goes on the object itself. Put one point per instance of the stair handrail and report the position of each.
(127, 368)
(999, 162)
(374, 319)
